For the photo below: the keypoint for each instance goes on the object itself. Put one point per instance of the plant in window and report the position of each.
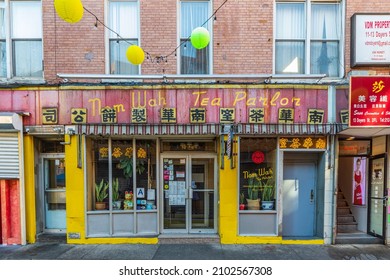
(242, 201)
(267, 195)
(127, 163)
(116, 203)
(101, 193)
(253, 192)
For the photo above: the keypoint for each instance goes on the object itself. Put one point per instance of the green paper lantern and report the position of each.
(135, 55)
(200, 38)
(69, 10)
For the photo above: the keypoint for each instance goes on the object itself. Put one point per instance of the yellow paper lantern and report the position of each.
(135, 55)
(69, 10)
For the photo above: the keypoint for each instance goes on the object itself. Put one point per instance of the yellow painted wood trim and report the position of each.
(29, 176)
(304, 242)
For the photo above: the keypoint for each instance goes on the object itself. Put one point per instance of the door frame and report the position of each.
(384, 195)
(41, 192)
(188, 156)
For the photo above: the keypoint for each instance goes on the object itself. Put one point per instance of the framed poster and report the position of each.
(359, 181)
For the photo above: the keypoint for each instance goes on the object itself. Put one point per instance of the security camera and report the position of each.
(27, 130)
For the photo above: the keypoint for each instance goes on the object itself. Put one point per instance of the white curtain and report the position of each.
(290, 38)
(193, 14)
(26, 34)
(123, 19)
(325, 36)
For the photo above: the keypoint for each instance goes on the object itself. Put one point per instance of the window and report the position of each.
(307, 38)
(123, 19)
(122, 175)
(193, 14)
(21, 39)
(257, 173)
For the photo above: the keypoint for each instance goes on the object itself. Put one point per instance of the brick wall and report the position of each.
(242, 37)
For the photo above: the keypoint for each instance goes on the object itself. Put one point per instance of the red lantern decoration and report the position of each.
(258, 157)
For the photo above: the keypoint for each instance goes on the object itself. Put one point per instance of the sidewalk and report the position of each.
(62, 251)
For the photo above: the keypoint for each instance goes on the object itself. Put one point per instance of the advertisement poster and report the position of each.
(359, 181)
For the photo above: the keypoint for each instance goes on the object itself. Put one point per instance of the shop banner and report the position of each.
(369, 101)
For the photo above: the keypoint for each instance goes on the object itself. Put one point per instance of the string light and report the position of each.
(156, 59)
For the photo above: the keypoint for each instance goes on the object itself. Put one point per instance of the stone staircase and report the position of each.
(346, 222)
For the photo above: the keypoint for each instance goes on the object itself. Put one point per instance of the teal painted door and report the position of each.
(299, 181)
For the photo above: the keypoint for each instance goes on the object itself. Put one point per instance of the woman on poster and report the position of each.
(357, 178)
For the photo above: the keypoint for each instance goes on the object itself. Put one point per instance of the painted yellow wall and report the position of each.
(29, 181)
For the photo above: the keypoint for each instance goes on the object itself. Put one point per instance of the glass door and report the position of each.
(53, 175)
(175, 193)
(377, 200)
(189, 199)
(202, 195)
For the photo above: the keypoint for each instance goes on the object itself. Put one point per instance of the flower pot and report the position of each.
(253, 204)
(116, 205)
(242, 206)
(100, 205)
(267, 205)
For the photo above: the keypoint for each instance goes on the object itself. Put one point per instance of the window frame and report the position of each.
(109, 39)
(180, 39)
(9, 39)
(308, 40)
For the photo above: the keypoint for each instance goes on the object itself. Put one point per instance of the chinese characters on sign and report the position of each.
(49, 115)
(369, 101)
(302, 143)
(255, 106)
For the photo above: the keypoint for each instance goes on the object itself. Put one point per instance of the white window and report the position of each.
(193, 14)
(21, 39)
(307, 38)
(124, 20)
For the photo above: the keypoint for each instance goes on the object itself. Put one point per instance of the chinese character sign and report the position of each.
(369, 101)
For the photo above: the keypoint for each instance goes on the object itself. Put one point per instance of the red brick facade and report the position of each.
(242, 37)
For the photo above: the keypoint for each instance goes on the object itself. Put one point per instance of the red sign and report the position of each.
(258, 157)
(369, 103)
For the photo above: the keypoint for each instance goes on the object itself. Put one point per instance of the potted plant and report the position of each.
(253, 192)
(116, 202)
(242, 201)
(101, 193)
(267, 196)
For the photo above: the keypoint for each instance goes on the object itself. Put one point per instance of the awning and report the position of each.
(365, 131)
(207, 129)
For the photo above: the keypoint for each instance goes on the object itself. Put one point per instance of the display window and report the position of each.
(257, 174)
(121, 175)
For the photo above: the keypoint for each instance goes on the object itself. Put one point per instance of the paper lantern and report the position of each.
(69, 10)
(200, 38)
(135, 55)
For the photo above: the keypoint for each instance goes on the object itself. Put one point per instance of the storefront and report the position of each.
(140, 163)
(12, 215)
(363, 164)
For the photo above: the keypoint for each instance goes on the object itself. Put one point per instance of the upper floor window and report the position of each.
(193, 14)
(307, 38)
(123, 19)
(21, 39)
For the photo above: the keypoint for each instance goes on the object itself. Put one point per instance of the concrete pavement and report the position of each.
(212, 251)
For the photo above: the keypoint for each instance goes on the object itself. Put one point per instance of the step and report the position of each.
(342, 203)
(343, 211)
(350, 227)
(357, 238)
(345, 219)
(188, 239)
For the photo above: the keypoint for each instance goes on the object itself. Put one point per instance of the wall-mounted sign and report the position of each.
(369, 101)
(370, 39)
(302, 143)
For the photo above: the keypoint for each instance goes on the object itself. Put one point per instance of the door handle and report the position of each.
(311, 196)
(190, 193)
